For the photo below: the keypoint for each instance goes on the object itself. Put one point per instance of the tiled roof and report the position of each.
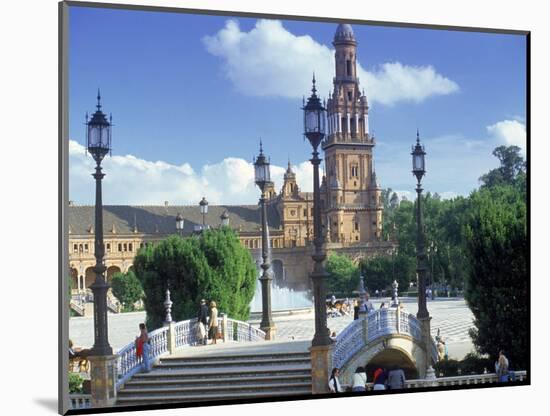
(161, 219)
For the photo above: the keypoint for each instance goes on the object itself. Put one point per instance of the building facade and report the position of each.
(350, 194)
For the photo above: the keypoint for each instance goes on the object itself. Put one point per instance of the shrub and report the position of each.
(75, 383)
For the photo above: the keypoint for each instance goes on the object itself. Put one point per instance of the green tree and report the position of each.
(343, 274)
(127, 288)
(497, 282)
(511, 166)
(213, 266)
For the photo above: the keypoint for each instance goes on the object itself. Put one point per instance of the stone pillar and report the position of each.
(427, 341)
(171, 336)
(349, 123)
(224, 327)
(321, 367)
(103, 380)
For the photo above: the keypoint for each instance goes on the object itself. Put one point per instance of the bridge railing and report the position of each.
(469, 379)
(128, 363)
(392, 321)
(348, 343)
(369, 328)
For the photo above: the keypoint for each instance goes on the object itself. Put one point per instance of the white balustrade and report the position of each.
(348, 343)
(471, 379)
(80, 401)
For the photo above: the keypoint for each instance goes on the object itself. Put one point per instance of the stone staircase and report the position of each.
(231, 375)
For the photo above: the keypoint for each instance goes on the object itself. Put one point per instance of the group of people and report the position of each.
(383, 379)
(207, 323)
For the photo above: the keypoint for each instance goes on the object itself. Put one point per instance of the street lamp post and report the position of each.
(262, 177)
(314, 130)
(179, 224)
(98, 141)
(419, 170)
(203, 204)
(321, 345)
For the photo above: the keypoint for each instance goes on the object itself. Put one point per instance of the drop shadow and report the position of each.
(47, 403)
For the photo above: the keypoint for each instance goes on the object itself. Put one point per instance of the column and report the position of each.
(357, 124)
(339, 122)
(349, 122)
(366, 123)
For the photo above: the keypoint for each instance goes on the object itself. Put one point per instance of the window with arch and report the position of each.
(108, 247)
(119, 247)
(125, 247)
(348, 67)
(130, 247)
(354, 171)
(75, 248)
(80, 248)
(85, 248)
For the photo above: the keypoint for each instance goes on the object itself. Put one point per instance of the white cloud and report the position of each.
(394, 82)
(131, 180)
(509, 132)
(271, 61)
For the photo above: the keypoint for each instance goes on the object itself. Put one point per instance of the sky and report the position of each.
(191, 96)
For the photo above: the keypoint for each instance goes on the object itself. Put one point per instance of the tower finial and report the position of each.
(417, 136)
(313, 89)
(98, 100)
(261, 147)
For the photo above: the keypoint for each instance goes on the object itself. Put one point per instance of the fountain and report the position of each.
(282, 298)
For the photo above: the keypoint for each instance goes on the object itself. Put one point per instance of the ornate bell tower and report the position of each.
(353, 206)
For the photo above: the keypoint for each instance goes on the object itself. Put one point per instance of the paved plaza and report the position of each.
(451, 316)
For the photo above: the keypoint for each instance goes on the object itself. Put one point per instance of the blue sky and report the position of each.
(191, 95)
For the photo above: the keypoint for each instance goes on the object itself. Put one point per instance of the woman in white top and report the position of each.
(359, 380)
(333, 382)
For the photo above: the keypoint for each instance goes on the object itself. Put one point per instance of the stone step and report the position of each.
(176, 398)
(183, 363)
(237, 357)
(206, 389)
(200, 373)
(241, 379)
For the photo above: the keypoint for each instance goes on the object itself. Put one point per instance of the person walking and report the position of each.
(359, 380)
(379, 380)
(143, 348)
(202, 322)
(396, 379)
(333, 382)
(502, 367)
(213, 324)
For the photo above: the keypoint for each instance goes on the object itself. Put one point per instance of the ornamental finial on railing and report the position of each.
(395, 298)
(168, 307)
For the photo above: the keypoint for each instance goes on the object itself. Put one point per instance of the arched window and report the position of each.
(348, 67)
(108, 247)
(80, 248)
(130, 247)
(119, 247)
(85, 248)
(125, 247)
(75, 248)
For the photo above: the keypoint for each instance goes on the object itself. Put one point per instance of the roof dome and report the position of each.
(344, 32)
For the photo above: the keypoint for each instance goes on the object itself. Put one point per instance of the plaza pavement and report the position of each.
(451, 315)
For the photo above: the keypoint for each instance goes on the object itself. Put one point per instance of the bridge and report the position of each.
(384, 338)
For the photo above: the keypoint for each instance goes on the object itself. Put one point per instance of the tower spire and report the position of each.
(313, 89)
